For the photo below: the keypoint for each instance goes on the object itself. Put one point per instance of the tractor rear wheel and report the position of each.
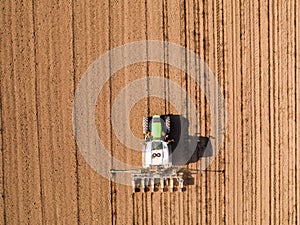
(168, 124)
(145, 125)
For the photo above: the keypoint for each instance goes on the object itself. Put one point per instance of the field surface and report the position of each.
(253, 49)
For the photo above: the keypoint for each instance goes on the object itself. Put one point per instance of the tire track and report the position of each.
(116, 37)
(132, 29)
(297, 100)
(85, 176)
(2, 190)
(211, 61)
(245, 111)
(257, 113)
(198, 50)
(291, 115)
(230, 185)
(177, 34)
(238, 115)
(254, 84)
(216, 69)
(266, 144)
(185, 83)
(74, 89)
(271, 103)
(112, 182)
(5, 54)
(139, 210)
(54, 56)
(15, 169)
(166, 216)
(277, 123)
(21, 173)
(90, 19)
(284, 135)
(155, 31)
(203, 115)
(148, 196)
(219, 49)
(37, 112)
(190, 88)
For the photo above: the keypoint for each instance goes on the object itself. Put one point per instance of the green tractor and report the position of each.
(156, 148)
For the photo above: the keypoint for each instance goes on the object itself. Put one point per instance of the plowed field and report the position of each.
(253, 49)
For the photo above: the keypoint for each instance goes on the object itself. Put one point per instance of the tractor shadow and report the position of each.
(187, 149)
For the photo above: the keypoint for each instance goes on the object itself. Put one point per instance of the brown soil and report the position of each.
(252, 47)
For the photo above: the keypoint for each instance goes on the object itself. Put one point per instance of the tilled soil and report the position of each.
(252, 47)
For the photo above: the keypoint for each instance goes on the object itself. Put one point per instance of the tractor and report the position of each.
(157, 170)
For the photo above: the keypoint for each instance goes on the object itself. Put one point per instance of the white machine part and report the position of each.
(156, 153)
